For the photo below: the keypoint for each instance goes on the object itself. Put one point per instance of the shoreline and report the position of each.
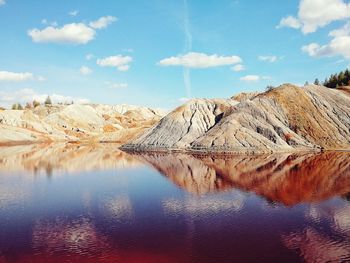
(196, 152)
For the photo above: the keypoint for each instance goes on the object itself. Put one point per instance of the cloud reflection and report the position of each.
(204, 205)
(119, 208)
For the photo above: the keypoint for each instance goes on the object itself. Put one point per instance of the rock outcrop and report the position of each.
(97, 123)
(184, 125)
(287, 118)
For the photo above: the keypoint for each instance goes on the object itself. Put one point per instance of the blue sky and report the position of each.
(158, 53)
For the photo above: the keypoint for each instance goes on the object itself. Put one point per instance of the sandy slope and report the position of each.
(76, 123)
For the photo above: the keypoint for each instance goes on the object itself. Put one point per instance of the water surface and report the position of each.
(81, 203)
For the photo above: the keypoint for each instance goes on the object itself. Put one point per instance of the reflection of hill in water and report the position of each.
(63, 157)
(285, 178)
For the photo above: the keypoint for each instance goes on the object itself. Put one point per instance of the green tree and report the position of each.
(317, 82)
(17, 106)
(270, 87)
(341, 79)
(48, 101)
(347, 77)
(28, 105)
(36, 103)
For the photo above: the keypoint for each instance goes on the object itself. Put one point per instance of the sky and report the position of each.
(160, 53)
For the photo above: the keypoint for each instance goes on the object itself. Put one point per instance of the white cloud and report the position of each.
(124, 68)
(102, 22)
(338, 46)
(74, 33)
(250, 78)
(200, 60)
(289, 21)
(268, 58)
(254, 78)
(119, 61)
(314, 14)
(184, 99)
(85, 70)
(69, 33)
(2, 2)
(15, 77)
(7, 98)
(116, 85)
(89, 56)
(73, 13)
(45, 22)
(343, 31)
(238, 67)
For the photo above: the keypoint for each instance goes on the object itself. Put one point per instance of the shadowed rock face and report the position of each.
(284, 119)
(285, 178)
(182, 126)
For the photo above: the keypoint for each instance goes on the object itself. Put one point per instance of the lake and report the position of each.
(95, 203)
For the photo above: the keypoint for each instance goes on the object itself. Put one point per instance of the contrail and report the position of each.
(188, 46)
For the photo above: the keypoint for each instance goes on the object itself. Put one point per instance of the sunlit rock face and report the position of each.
(182, 126)
(287, 118)
(284, 178)
(75, 122)
(47, 158)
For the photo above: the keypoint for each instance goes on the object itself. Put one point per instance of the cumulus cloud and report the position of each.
(102, 22)
(15, 77)
(74, 33)
(289, 21)
(69, 34)
(268, 58)
(19, 76)
(338, 46)
(2, 2)
(238, 67)
(254, 78)
(250, 78)
(7, 98)
(45, 22)
(120, 62)
(314, 14)
(200, 60)
(85, 70)
(184, 99)
(73, 13)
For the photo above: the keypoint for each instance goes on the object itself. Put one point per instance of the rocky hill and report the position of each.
(287, 118)
(76, 122)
